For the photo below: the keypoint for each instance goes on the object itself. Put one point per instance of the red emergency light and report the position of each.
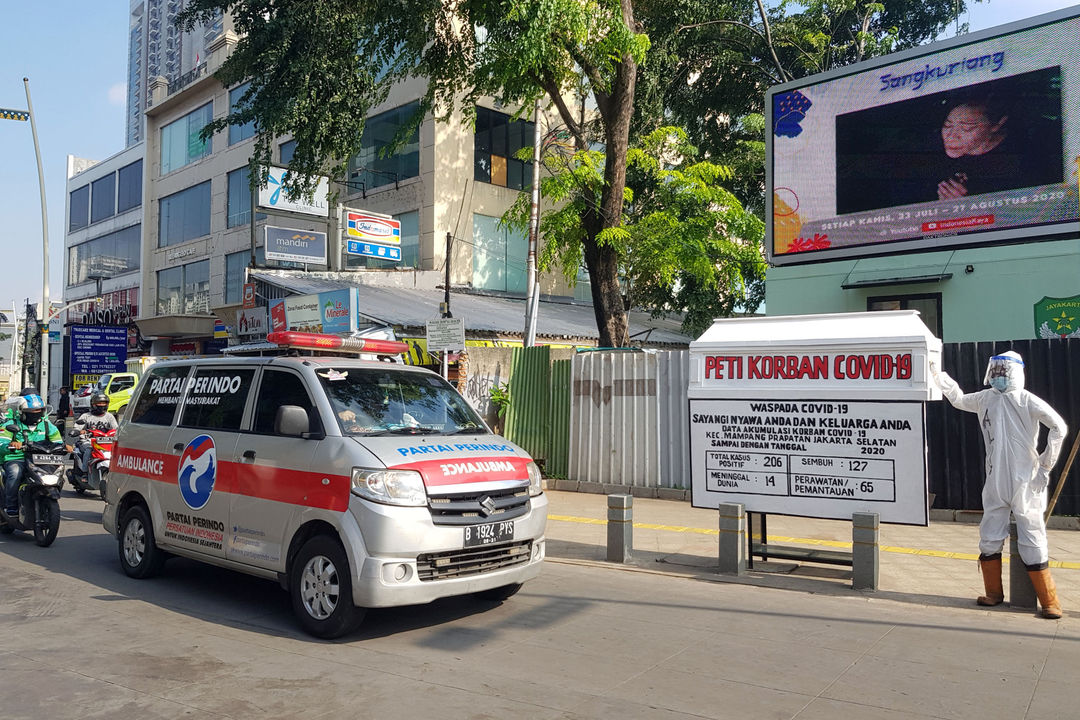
(319, 341)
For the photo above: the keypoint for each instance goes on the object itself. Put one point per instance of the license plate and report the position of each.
(489, 534)
(49, 459)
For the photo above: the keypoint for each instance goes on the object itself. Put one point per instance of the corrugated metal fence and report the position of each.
(528, 417)
(628, 423)
(955, 453)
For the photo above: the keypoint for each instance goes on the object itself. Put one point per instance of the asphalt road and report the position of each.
(79, 639)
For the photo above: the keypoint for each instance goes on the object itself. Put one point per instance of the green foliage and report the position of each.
(686, 244)
(500, 398)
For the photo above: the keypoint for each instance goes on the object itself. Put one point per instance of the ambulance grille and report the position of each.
(472, 508)
(472, 561)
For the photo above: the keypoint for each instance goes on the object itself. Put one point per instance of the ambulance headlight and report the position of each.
(536, 480)
(393, 487)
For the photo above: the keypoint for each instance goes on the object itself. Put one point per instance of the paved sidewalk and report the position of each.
(934, 565)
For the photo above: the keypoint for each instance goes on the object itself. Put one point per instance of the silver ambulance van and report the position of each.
(355, 484)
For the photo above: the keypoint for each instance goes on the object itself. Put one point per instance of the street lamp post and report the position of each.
(43, 312)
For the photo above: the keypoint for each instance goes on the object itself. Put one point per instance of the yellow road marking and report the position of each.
(806, 541)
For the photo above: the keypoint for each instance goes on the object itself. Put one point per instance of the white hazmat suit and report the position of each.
(1016, 473)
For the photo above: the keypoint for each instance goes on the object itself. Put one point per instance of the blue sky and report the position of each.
(75, 54)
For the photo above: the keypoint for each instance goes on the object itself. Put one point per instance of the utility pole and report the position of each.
(532, 292)
(446, 301)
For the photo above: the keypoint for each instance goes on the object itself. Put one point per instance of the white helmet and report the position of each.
(1008, 366)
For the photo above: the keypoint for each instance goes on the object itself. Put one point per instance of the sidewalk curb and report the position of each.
(970, 517)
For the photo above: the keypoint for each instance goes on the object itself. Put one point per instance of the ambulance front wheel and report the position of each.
(320, 586)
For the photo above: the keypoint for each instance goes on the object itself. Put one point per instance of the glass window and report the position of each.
(121, 383)
(928, 305)
(238, 207)
(410, 246)
(197, 287)
(170, 291)
(180, 141)
(161, 391)
(286, 151)
(234, 275)
(184, 215)
(239, 132)
(393, 402)
(79, 208)
(103, 198)
(496, 141)
(499, 256)
(370, 167)
(278, 388)
(216, 398)
(112, 254)
(129, 186)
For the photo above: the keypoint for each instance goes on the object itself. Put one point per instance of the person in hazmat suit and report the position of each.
(1016, 473)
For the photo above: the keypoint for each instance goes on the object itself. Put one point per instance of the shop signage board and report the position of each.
(372, 235)
(251, 322)
(445, 334)
(97, 350)
(814, 416)
(249, 295)
(291, 245)
(333, 312)
(273, 196)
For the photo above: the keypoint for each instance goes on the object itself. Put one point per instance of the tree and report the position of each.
(686, 243)
(317, 68)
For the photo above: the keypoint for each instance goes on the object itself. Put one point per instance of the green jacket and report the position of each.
(43, 431)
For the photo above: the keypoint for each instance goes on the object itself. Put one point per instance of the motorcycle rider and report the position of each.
(30, 425)
(98, 418)
(1016, 473)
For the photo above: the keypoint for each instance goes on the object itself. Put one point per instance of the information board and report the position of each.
(98, 349)
(811, 458)
(445, 334)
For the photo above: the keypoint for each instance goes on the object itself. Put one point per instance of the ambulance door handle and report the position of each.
(249, 455)
(178, 447)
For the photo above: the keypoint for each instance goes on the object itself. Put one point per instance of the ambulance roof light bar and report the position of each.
(319, 341)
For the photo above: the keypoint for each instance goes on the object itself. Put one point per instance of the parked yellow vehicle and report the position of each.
(118, 387)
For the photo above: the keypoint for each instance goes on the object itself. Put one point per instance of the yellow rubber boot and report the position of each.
(990, 566)
(1047, 592)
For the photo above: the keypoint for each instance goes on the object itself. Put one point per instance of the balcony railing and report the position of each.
(187, 78)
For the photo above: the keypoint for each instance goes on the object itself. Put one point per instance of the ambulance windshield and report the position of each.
(370, 401)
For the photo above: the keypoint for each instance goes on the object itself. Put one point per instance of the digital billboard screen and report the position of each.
(975, 142)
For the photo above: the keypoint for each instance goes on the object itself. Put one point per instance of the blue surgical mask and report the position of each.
(999, 383)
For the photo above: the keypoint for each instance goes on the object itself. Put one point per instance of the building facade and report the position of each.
(103, 244)
(450, 178)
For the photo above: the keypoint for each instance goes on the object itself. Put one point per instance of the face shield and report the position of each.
(1005, 372)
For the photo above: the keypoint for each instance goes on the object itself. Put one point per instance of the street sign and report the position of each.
(445, 334)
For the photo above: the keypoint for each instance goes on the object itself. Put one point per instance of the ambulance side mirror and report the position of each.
(291, 420)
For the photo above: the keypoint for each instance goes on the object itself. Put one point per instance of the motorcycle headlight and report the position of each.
(50, 479)
(536, 480)
(393, 487)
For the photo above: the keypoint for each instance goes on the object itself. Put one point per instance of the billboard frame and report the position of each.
(1046, 232)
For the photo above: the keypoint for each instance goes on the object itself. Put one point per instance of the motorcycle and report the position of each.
(39, 492)
(94, 476)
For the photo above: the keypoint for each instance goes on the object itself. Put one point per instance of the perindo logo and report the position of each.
(197, 471)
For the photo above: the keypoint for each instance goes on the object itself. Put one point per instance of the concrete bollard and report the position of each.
(865, 559)
(732, 552)
(1021, 591)
(620, 527)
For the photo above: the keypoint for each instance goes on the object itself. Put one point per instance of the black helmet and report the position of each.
(99, 404)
